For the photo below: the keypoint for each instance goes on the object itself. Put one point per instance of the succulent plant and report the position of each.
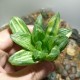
(40, 45)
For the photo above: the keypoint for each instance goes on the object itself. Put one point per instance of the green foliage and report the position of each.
(38, 32)
(23, 39)
(53, 54)
(65, 32)
(53, 25)
(61, 41)
(18, 25)
(21, 58)
(39, 55)
(39, 45)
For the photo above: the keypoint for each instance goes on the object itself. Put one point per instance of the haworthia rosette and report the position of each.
(39, 45)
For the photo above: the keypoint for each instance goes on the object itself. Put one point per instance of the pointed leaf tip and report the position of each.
(18, 25)
(53, 25)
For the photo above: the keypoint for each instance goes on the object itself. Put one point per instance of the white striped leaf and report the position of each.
(21, 58)
(23, 39)
(53, 25)
(18, 25)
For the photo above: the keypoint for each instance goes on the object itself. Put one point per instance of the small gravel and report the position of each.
(72, 76)
(78, 74)
(72, 48)
(74, 70)
(69, 57)
(75, 31)
(52, 76)
(67, 78)
(64, 74)
(66, 61)
(78, 56)
(67, 67)
(73, 64)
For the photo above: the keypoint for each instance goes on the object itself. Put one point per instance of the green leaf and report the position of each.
(53, 25)
(23, 39)
(39, 55)
(61, 42)
(21, 58)
(38, 45)
(18, 25)
(53, 54)
(49, 42)
(39, 20)
(65, 32)
(38, 32)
